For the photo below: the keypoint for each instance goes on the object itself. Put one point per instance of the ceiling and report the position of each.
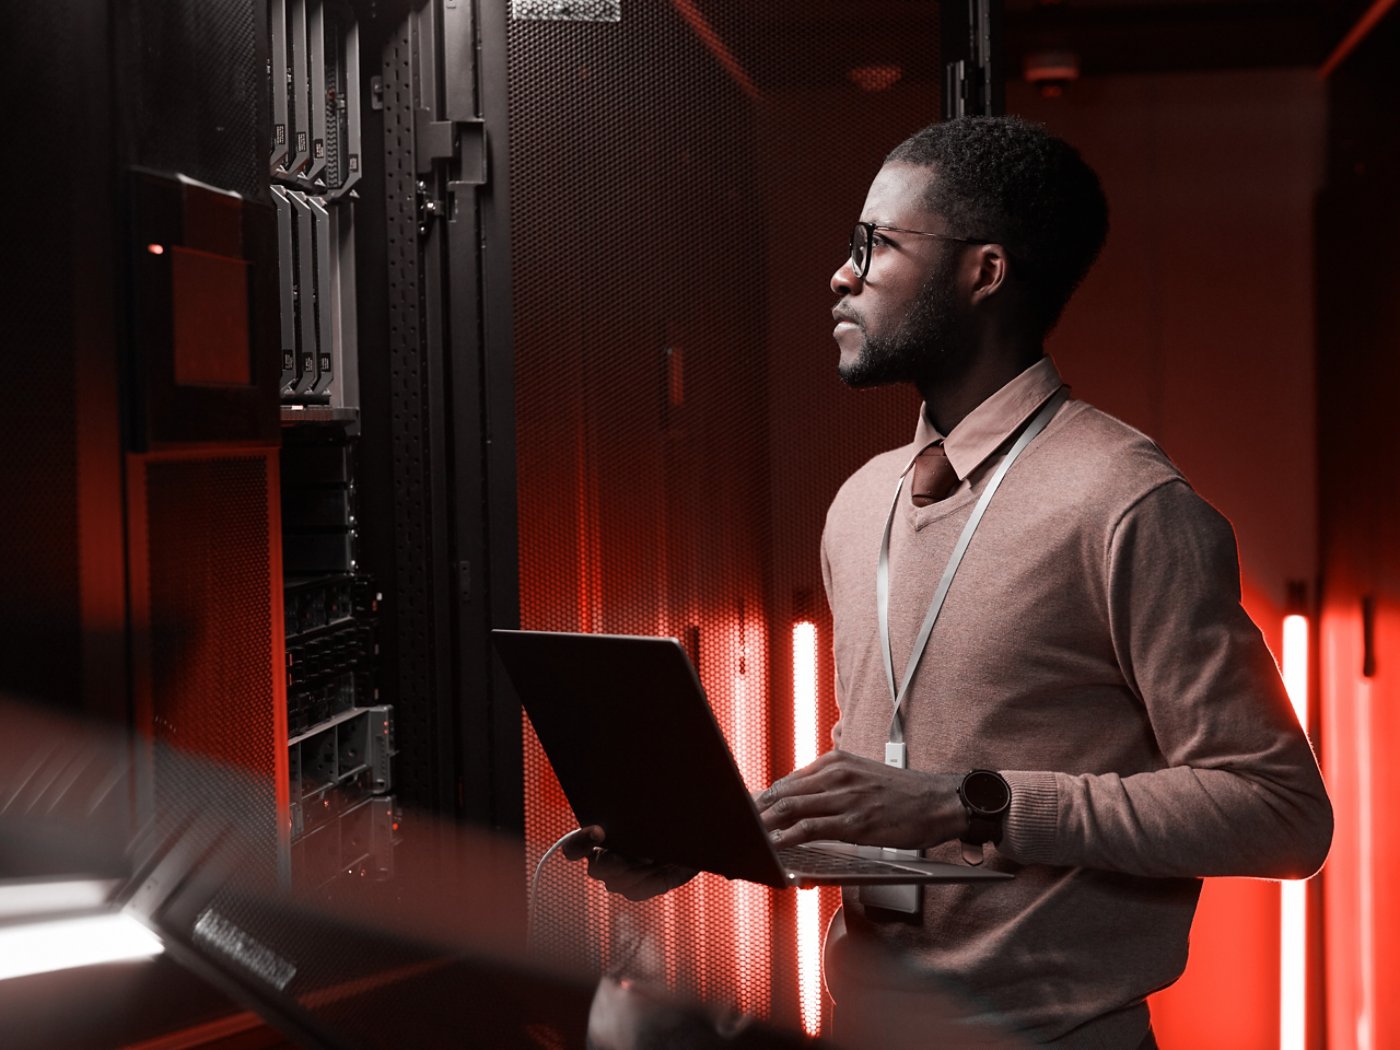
(786, 44)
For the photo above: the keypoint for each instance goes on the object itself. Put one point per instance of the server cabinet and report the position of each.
(140, 434)
(684, 178)
(437, 425)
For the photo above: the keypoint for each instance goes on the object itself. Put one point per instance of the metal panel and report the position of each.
(325, 252)
(345, 348)
(502, 601)
(280, 73)
(286, 288)
(301, 97)
(449, 575)
(343, 85)
(308, 336)
(203, 306)
(205, 550)
(422, 637)
(316, 61)
(675, 218)
(195, 91)
(567, 10)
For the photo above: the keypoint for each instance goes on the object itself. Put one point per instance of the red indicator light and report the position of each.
(156, 249)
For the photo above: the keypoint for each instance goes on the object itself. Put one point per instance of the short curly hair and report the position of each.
(1012, 182)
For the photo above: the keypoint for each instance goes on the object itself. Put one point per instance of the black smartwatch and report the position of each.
(986, 796)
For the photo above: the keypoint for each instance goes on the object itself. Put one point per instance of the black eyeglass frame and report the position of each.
(866, 231)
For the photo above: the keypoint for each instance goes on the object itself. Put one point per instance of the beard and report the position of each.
(933, 336)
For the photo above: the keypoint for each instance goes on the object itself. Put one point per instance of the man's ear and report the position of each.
(988, 271)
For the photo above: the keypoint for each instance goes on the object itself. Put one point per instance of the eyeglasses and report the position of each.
(863, 242)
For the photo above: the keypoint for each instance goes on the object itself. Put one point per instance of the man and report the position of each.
(1090, 659)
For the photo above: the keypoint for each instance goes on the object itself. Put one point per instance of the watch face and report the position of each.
(986, 792)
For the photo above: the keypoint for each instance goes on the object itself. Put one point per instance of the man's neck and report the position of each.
(949, 399)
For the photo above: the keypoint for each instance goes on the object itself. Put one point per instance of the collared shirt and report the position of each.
(986, 428)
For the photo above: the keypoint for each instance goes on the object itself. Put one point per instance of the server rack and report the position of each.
(385, 207)
(249, 168)
(342, 812)
(436, 401)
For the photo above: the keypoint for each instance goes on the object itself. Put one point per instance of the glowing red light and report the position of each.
(156, 249)
(874, 78)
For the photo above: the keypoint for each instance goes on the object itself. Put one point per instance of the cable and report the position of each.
(535, 884)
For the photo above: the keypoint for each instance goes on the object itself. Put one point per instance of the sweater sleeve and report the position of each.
(839, 685)
(1239, 792)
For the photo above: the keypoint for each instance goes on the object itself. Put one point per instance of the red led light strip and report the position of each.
(804, 741)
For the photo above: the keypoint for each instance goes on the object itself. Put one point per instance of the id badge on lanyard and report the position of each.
(901, 900)
(905, 899)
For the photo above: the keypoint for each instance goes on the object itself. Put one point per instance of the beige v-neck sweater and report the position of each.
(1093, 649)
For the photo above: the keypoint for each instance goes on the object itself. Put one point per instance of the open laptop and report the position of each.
(631, 736)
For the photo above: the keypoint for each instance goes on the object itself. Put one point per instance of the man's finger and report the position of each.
(610, 866)
(809, 780)
(619, 878)
(811, 829)
(789, 809)
(582, 842)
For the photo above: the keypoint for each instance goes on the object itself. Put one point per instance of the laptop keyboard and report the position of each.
(809, 860)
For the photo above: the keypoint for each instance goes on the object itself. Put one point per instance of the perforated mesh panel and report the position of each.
(409, 426)
(683, 184)
(212, 637)
(196, 98)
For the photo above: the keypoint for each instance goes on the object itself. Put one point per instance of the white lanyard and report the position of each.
(895, 752)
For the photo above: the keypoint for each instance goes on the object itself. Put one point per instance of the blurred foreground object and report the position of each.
(432, 956)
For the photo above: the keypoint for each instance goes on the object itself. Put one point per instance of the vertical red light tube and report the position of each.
(1293, 895)
(804, 737)
(751, 903)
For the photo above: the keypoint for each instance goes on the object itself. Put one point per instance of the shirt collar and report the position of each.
(986, 427)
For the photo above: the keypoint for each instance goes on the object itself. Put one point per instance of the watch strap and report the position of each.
(983, 826)
(982, 829)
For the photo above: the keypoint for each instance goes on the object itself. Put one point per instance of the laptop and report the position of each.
(626, 725)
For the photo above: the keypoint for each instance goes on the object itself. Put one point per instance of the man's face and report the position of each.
(902, 321)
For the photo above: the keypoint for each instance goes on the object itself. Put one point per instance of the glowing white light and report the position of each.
(61, 944)
(1293, 896)
(804, 750)
(1295, 664)
(29, 899)
(1293, 965)
(804, 693)
(809, 959)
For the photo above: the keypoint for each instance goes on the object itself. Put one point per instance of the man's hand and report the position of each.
(635, 878)
(844, 797)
